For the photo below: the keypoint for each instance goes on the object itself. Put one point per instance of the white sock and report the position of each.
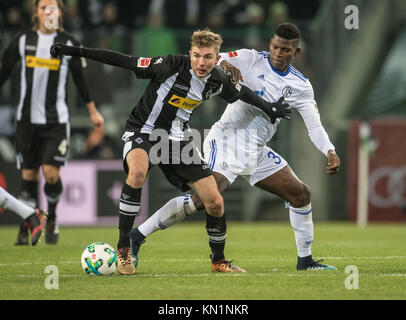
(173, 211)
(301, 220)
(9, 202)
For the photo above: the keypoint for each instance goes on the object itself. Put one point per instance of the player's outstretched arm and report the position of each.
(113, 58)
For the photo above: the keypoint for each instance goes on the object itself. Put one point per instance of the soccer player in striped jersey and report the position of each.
(179, 83)
(269, 74)
(34, 218)
(42, 136)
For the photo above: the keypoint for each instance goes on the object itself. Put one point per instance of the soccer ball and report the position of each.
(99, 259)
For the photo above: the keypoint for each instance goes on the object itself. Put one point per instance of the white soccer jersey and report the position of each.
(269, 83)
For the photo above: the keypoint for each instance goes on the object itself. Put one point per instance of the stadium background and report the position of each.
(357, 74)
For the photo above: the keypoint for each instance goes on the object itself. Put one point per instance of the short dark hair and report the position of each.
(288, 31)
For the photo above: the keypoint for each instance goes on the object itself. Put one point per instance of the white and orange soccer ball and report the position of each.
(99, 258)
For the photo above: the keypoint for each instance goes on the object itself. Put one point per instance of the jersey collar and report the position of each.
(283, 74)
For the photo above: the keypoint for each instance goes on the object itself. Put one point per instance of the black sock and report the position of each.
(53, 193)
(216, 230)
(129, 206)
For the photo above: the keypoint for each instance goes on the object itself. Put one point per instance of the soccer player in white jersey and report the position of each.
(270, 74)
(34, 218)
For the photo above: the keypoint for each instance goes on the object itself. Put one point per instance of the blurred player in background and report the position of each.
(34, 218)
(270, 74)
(179, 83)
(42, 136)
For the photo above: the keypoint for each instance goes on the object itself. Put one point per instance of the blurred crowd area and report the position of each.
(145, 28)
(128, 15)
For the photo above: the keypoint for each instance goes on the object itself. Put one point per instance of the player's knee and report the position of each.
(197, 202)
(215, 206)
(51, 174)
(302, 198)
(136, 178)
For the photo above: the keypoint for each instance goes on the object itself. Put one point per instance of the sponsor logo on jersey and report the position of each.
(260, 93)
(143, 62)
(261, 77)
(35, 62)
(287, 92)
(233, 54)
(158, 61)
(183, 103)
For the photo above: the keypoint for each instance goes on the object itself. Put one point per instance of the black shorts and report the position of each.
(179, 160)
(41, 144)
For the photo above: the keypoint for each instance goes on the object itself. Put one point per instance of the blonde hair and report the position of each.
(34, 18)
(205, 38)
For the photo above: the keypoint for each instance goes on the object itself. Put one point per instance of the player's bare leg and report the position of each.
(288, 186)
(130, 200)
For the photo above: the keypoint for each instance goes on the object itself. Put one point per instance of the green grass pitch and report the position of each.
(174, 265)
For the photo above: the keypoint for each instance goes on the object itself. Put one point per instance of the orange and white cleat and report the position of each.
(225, 266)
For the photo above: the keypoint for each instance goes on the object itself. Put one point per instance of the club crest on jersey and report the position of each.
(143, 62)
(287, 92)
(233, 54)
(224, 165)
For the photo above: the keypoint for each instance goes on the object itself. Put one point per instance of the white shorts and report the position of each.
(232, 156)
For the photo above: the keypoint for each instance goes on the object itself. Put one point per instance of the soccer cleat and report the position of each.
(51, 232)
(225, 266)
(22, 237)
(36, 224)
(307, 263)
(136, 240)
(126, 265)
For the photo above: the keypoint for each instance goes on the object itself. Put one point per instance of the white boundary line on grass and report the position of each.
(205, 260)
(194, 275)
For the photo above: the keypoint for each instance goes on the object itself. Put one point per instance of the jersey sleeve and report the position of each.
(77, 65)
(157, 68)
(229, 91)
(311, 117)
(242, 59)
(9, 60)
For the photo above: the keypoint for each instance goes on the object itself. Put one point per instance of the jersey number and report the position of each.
(274, 157)
(63, 147)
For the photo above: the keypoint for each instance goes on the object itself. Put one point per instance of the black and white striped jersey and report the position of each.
(174, 90)
(173, 94)
(43, 79)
